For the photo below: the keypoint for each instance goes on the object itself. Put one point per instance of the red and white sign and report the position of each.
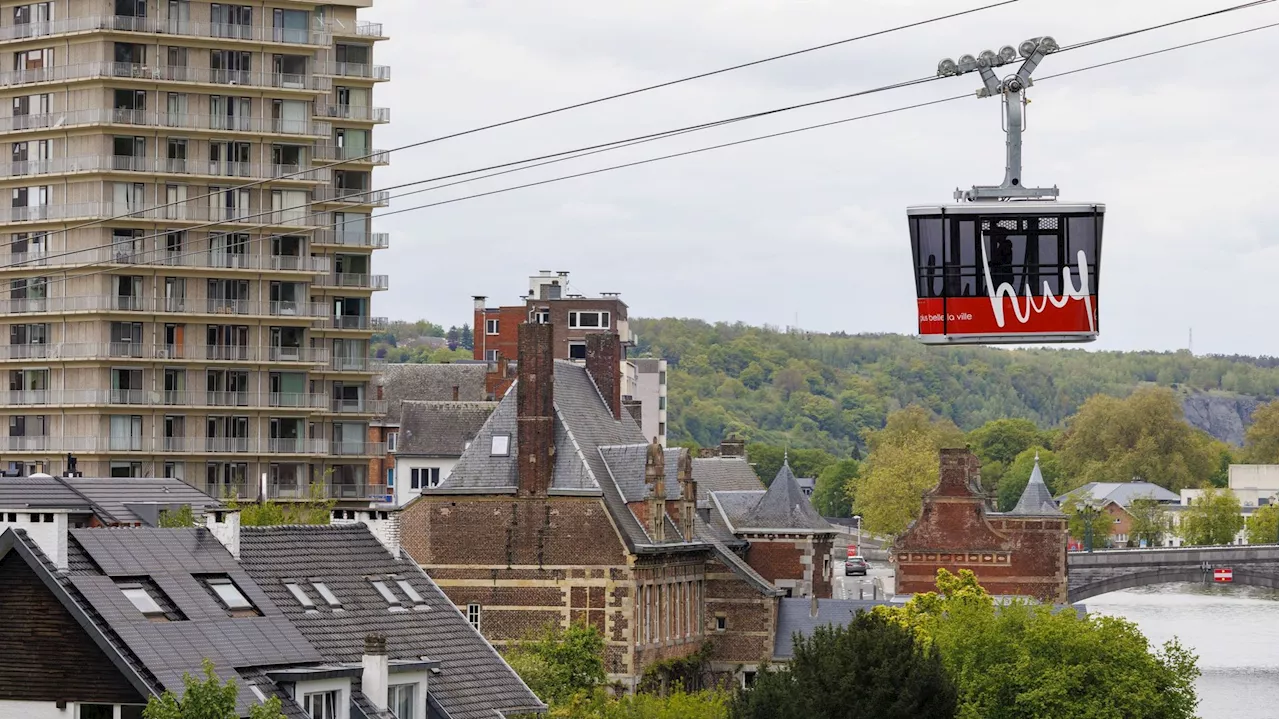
(978, 316)
(1222, 575)
(852, 551)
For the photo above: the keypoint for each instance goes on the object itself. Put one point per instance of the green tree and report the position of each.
(871, 668)
(914, 422)
(901, 466)
(1082, 515)
(1262, 439)
(677, 704)
(834, 490)
(1263, 526)
(1143, 435)
(767, 460)
(1150, 521)
(1018, 474)
(207, 699)
(465, 337)
(316, 509)
(1212, 518)
(1027, 661)
(998, 444)
(560, 663)
(181, 517)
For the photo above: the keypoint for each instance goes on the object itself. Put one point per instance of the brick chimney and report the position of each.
(655, 476)
(604, 364)
(688, 494)
(535, 410)
(375, 670)
(733, 447)
(959, 473)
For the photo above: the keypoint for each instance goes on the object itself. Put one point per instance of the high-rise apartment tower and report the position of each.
(185, 273)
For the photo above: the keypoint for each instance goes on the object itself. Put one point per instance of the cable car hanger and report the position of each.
(1012, 92)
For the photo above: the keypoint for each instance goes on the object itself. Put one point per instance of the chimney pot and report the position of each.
(376, 668)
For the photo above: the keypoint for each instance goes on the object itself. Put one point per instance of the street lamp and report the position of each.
(857, 518)
(1089, 513)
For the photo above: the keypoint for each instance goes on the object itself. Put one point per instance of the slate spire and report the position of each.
(1036, 498)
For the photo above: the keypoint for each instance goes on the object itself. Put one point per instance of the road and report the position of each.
(860, 587)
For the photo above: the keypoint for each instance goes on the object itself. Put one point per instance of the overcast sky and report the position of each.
(1181, 147)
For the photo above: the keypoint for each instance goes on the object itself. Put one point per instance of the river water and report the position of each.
(1234, 630)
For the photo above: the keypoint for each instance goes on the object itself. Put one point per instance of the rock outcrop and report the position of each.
(1221, 415)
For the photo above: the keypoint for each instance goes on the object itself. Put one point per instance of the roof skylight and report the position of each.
(325, 594)
(300, 595)
(229, 593)
(143, 600)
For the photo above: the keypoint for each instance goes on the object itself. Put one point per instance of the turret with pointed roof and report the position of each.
(1036, 498)
(784, 506)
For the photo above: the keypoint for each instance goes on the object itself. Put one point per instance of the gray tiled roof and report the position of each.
(440, 429)
(626, 464)
(733, 506)
(115, 497)
(718, 474)
(1122, 493)
(795, 616)
(431, 382)
(473, 680)
(1035, 499)
(784, 506)
(39, 492)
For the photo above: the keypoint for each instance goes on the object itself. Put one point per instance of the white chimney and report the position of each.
(385, 525)
(374, 662)
(226, 527)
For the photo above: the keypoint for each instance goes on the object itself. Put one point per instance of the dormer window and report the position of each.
(500, 446)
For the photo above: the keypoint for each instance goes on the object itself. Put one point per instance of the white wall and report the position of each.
(51, 537)
(653, 420)
(404, 475)
(301, 689)
(42, 710)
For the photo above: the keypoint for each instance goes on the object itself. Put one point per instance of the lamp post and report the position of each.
(1089, 513)
(857, 518)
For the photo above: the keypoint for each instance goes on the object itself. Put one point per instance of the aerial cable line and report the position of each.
(591, 149)
(713, 147)
(574, 106)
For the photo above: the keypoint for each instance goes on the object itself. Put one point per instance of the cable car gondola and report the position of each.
(1006, 264)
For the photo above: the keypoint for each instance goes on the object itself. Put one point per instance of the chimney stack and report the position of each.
(535, 410)
(634, 407)
(604, 364)
(688, 494)
(374, 662)
(733, 447)
(655, 476)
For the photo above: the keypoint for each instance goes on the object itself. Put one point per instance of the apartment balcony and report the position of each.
(298, 217)
(354, 112)
(228, 490)
(126, 254)
(160, 165)
(365, 71)
(358, 449)
(357, 196)
(372, 240)
(354, 322)
(302, 490)
(356, 364)
(348, 280)
(164, 26)
(75, 351)
(120, 117)
(165, 398)
(167, 73)
(333, 153)
(361, 29)
(157, 305)
(358, 406)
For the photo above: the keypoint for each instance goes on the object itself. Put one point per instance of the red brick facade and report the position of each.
(1010, 554)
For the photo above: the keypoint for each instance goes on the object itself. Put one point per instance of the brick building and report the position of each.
(1022, 552)
(561, 511)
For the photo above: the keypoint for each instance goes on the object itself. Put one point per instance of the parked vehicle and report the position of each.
(855, 565)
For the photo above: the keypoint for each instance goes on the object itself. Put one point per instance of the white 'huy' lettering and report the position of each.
(997, 294)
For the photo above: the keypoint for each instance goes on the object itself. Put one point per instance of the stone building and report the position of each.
(560, 511)
(1019, 553)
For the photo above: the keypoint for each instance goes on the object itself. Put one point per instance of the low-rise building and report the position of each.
(432, 438)
(1114, 499)
(335, 621)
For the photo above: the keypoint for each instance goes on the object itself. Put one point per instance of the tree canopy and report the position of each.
(1212, 518)
(834, 490)
(560, 663)
(1018, 473)
(871, 668)
(1262, 438)
(901, 466)
(1263, 526)
(1021, 660)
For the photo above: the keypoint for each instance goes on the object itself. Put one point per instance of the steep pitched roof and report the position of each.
(473, 680)
(796, 616)
(40, 491)
(784, 506)
(722, 474)
(1035, 499)
(440, 429)
(431, 382)
(138, 499)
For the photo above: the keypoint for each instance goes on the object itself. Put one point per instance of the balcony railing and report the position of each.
(340, 363)
(356, 322)
(358, 113)
(360, 28)
(167, 73)
(164, 26)
(358, 449)
(333, 153)
(228, 490)
(301, 489)
(358, 406)
(329, 193)
(353, 280)
(146, 351)
(375, 240)
(355, 69)
(191, 212)
(165, 398)
(126, 254)
(145, 118)
(130, 303)
(154, 165)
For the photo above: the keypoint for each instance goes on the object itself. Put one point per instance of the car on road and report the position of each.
(855, 565)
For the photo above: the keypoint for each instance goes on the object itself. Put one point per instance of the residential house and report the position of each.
(562, 511)
(432, 438)
(1114, 499)
(335, 621)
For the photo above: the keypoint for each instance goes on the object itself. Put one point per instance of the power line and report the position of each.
(721, 145)
(575, 106)
(581, 151)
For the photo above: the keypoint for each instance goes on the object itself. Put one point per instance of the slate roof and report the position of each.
(783, 506)
(1035, 499)
(40, 491)
(440, 429)
(113, 500)
(1122, 493)
(431, 382)
(722, 474)
(472, 682)
(795, 616)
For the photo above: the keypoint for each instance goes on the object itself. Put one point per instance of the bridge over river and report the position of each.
(1092, 573)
